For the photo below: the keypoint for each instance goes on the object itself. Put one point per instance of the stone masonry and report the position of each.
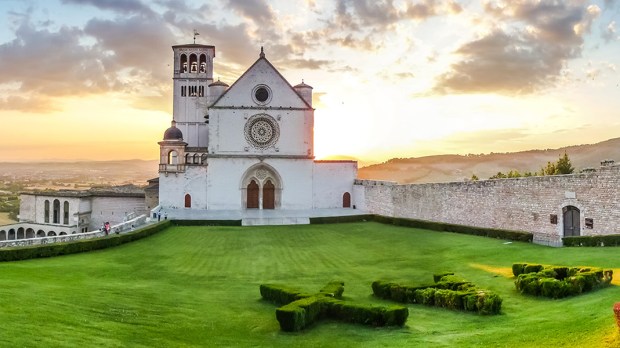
(524, 204)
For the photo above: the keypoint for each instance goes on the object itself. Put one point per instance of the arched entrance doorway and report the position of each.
(188, 201)
(252, 199)
(261, 187)
(571, 218)
(346, 200)
(269, 198)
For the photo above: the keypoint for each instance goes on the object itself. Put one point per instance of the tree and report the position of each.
(513, 174)
(548, 170)
(563, 165)
(499, 175)
(474, 177)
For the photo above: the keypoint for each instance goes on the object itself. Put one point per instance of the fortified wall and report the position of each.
(539, 205)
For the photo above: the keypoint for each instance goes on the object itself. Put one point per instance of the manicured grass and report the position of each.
(199, 287)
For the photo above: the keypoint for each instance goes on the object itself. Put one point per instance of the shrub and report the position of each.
(85, 245)
(449, 291)
(281, 295)
(206, 222)
(438, 276)
(532, 268)
(446, 227)
(301, 310)
(333, 289)
(518, 268)
(559, 281)
(341, 219)
(592, 241)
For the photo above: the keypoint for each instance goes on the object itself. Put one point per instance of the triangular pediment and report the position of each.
(243, 93)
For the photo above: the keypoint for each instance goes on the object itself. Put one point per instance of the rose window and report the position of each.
(262, 131)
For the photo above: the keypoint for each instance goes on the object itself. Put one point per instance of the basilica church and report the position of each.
(244, 147)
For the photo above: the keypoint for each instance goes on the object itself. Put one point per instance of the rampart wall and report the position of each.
(525, 204)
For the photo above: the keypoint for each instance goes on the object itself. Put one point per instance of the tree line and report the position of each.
(562, 166)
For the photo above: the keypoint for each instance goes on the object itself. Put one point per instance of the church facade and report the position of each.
(247, 146)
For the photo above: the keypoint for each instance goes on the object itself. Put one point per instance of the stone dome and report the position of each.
(219, 83)
(173, 133)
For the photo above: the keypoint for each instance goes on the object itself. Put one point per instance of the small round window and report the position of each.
(261, 94)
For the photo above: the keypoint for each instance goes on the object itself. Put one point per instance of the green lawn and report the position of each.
(199, 287)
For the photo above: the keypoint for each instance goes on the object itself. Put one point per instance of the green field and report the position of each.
(199, 287)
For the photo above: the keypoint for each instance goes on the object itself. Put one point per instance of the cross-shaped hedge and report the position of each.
(299, 310)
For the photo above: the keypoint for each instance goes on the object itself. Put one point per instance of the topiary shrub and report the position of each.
(559, 281)
(518, 268)
(301, 310)
(449, 291)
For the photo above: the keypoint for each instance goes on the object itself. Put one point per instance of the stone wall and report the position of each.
(525, 204)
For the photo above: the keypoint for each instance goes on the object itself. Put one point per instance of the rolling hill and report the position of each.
(446, 168)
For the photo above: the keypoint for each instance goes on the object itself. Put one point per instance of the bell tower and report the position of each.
(193, 73)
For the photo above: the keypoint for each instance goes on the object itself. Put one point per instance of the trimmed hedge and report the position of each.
(592, 241)
(449, 291)
(80, 246)
(341, 219)
(558, 281)
(446, 227)
(206, 222)
(301, 310)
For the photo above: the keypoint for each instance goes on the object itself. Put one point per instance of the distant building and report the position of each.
(248, 146)
(53, 213)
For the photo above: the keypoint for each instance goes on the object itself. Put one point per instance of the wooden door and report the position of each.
(346, 200)
(252, 199)
(269, 195)
(571, 221)
(188, 201)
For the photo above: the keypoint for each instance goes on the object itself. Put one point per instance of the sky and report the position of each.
(92, 79)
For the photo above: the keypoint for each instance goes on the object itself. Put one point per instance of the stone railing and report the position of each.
(123, 227)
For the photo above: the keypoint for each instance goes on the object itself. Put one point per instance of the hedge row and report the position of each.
(57, 249)
(446, 227)
(592, 241)
(300, 309)
(449, 291)
(341, 219)
(558, 281)
(206, 222)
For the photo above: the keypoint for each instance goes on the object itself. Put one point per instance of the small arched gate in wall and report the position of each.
(571, 218)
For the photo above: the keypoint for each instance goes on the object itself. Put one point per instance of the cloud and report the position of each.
(72, 69)
(120, 6)
(527, 52)
(358, 14)
(312, 64)
(609, 34)
(259, 11)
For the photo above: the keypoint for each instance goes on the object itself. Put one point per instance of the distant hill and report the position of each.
(446, 168)
(116, 172)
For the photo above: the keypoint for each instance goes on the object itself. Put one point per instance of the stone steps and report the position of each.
(265, 221)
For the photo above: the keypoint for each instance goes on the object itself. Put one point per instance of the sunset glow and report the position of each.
(91, 79)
